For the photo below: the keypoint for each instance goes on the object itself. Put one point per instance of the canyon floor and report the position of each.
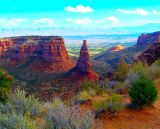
(148, 118)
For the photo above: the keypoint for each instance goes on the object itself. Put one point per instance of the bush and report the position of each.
(100, 105)
(19, 103)
(16, 121)
(20, 112)
(59, 116)
(122, 71)
(112, 104)
(154, 72)
(115, 103)
(88, 85)
(5, 85)
(143, 92)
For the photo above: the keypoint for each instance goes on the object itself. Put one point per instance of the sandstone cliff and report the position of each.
(48, 52)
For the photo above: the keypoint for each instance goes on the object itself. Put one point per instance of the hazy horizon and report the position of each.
(80, 17)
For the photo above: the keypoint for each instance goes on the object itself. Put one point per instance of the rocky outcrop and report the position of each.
(83, 68)
(49, 52)
(150, 55)
(149, 38)
(83, 63)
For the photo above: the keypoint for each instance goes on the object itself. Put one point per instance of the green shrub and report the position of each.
(143, 92)
(139, 67)
(122, 71)
(83, 96)
(5, 85)
(112, 103)
(100, 105)
(154, 72)
(115, 103)
(88, 85)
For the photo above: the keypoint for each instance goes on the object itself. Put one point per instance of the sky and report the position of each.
(74, 17)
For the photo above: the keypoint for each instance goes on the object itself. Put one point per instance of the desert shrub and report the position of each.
(100, 105)
(122, 71)
(88, 85)
(60, 116)
(115, 103)
(139, 68)
(120, 87)
(16, 121)
(143, 92)
(83, 96)
(21, 104)
(20, 112)
(111, 103)
(154, 72)
(5, 85)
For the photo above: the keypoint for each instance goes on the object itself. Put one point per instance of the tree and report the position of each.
(6, 81)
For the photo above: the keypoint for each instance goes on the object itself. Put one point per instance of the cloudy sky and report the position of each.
(71, 17)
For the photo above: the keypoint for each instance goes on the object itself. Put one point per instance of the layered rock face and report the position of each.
(150, 55)
(49, 52)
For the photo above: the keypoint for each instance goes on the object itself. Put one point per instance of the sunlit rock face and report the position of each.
(116, 48)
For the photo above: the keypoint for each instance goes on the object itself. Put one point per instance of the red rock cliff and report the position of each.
(49, 52)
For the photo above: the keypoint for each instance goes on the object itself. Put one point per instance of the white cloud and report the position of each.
(12, 22)
(113, 19)
(79, 9)
(155, 12)
(138, 11)
(44, 22)
(83, 21)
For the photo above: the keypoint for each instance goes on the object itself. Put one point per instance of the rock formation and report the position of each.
(83, 68)
(83, 63)
(49, 52)
(149, 38)
(150, 55)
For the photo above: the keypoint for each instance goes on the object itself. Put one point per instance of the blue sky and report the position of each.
(71, 17)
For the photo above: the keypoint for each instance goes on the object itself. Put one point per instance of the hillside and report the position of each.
(131, 53)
